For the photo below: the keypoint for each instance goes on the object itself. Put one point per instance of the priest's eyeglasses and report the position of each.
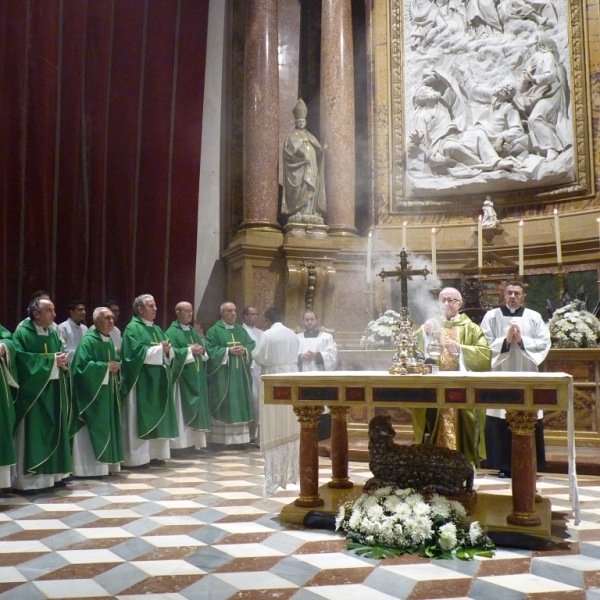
(450, 301)
(517, 294)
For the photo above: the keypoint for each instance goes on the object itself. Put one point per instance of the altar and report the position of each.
(521, 395)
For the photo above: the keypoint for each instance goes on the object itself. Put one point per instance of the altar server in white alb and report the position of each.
(277, 352)
(73, 329)
(318, 352)
(520, 341)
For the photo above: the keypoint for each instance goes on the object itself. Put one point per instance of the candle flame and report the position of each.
(480, 217)
(521, 223)
(369, 234)
(405, 222)
(556, 211)
(433, 230)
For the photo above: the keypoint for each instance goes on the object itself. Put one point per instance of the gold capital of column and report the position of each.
(521, 422)
(308, 416)
(340, 413)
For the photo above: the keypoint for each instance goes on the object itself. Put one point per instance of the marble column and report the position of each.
(524, 467)
(339, 448)
(308, 417)
(261, 110)
(337, 114)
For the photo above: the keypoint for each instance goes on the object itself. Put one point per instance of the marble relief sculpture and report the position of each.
(303, 169)
(487, 96)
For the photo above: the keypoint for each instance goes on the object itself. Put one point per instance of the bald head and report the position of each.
(450, 302)
(184, 312)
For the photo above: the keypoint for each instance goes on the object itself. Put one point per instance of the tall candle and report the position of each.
(369, 251)
(433, 255)
(404, 235)
(557, 237)
(521, 253)
(480, 244)
(598, 221)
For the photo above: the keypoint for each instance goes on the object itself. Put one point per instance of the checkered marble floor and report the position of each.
(200, 529)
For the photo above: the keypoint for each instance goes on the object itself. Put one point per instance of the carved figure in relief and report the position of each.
(545, 92)
(541, 12)
(483, 19)
(490, 218)
(428, 22)
(448, 149)
(303, 181)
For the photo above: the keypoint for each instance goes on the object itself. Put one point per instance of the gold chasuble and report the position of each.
(458, 429)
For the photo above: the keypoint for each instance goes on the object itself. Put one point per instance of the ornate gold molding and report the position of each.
(308, 416)
(521, 422)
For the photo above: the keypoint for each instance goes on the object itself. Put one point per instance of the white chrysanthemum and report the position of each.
(391, 502)
(403, 493)
(403, 512)
(448, 536)
(421, 509)
(475, 532)
(375, 512)
(440, 506)
(413, 499)
(458, 508)
(369, 501)
(384, 491)
(420, 529)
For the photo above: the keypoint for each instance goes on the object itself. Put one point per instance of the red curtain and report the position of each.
(100, 132)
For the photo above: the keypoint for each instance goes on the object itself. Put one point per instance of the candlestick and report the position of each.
(369, 250)
(404, 235)
(480, 244)
(557, 237)
(521, 253)
(598, 221)
(433, 255)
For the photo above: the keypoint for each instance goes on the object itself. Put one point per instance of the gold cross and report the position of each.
(234, 343)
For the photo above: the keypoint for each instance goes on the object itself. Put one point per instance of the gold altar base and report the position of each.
(491, 510)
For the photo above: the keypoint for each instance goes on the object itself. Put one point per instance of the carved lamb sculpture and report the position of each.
(422, 467)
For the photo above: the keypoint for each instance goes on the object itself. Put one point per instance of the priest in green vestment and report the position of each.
(96, 427)
(42, 406)
(229, 349)
(149, 418)
(190, 388)
(8, 388)
(458, 344)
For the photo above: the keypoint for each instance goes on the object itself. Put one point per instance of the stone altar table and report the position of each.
(522, 395)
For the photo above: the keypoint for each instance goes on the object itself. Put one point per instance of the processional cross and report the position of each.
(407, 358)
(403, 274)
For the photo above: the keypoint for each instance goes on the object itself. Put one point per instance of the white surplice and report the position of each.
(323, 344)
(527, 355)
(71, 334)
(277, 352)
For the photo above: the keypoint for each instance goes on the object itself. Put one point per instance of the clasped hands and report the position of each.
(166, 345)
(114, 366)
(197, 349)
(62, 359)
(237, 350)
(308, 356)
(513, 334)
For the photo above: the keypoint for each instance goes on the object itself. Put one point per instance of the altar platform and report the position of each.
(521, 395)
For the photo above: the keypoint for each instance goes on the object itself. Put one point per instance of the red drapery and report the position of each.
(101, 113)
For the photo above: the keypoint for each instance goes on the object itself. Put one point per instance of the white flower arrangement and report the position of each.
(574, 327)
(381, 333)
(390, 522)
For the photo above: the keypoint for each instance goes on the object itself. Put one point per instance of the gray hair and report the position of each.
(222, 307)
(98, 312)
(140, 302)
(35, 306)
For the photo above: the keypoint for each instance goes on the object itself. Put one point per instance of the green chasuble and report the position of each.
(42, 403)
(191, 377)
(229, 384)
(477, 356)
(7, 398)
(156, 418)
(97, 405)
